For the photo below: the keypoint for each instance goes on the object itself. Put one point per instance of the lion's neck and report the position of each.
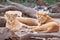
(49, 19)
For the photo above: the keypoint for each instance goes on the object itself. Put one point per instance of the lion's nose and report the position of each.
(11, 20)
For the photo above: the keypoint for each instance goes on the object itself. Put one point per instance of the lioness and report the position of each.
(46, 23)
(12, 23)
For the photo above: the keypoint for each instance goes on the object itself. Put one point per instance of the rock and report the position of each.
(4, 33)
(2, 22)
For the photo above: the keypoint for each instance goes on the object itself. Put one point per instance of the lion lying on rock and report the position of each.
(46, 24)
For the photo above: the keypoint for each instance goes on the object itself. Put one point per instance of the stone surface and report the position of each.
(2, 22)
(53, 38)
(4, 33)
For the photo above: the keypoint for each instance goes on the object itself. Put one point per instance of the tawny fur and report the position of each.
(28, 21)
(12, 23)
(46, 24)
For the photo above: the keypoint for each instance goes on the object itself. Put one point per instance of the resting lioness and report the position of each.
(46, 23)
(12, 23)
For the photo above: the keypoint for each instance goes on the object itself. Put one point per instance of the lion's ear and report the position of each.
(38, 14)
(15, 15)
(45, 14)
(7, 14)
